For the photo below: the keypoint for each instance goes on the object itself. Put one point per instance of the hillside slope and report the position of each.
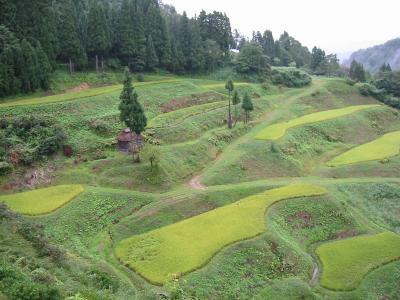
(373, 58)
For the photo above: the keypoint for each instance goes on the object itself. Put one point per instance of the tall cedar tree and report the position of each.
(44, 68)
(126, 34)
(151, 56)
(69, 36)
(357, 72)
(131, 111)
(247, 106)
(139, 62)
(98, 39)
(235, 101)
(230, 87)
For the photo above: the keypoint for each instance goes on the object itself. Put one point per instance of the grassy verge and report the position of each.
(42, 201)
(187, 245)
(346, 262)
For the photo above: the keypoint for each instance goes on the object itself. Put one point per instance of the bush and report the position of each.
(367, 89)
(389, 82)
(290, 77)
(140, 77)
(5, 168)
(103, 280)
(26, 140)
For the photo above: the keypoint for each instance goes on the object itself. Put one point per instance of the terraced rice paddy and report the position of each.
(42, 201)
(384, 147)
(278, 130)
(185, 246)
(346, 262)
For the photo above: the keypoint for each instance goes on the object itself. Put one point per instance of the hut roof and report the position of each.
(126, 135)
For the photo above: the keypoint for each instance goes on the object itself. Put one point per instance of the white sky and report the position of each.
(337, 26)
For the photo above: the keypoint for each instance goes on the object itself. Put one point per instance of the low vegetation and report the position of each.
(183, 247)
(382, 148)
(278, 130)
(290, 77)
(346, 262)
(41, 201)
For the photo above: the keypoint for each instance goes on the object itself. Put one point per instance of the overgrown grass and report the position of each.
(382, 148)
(42, 201)
(346, 262)
(278, 130)
(187, 245)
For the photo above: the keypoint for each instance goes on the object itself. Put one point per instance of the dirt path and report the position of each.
(196, 184)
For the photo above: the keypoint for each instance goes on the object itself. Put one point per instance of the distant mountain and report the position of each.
(373, 58)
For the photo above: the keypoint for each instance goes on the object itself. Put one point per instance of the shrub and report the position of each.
(367, 89)
(26, 140)
(5, 168)
(103, 280)
(290, 77)
(140, 77)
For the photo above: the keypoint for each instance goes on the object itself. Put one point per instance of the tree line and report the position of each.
(144, 35)
(141, 34)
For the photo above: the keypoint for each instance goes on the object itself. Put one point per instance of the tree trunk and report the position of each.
(102, 64)
(97, 64)
(229, 112)
(70, 66)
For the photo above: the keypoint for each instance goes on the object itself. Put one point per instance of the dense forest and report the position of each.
(36, 37)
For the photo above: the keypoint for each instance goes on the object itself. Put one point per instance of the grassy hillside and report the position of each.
(226, 214)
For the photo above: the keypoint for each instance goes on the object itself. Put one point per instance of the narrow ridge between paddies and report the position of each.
(185, 246)
(346, 262)
(278, 130)
(384, 147)
(41, 201)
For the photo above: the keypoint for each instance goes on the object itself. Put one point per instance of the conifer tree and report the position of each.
(151, 56)
(140, 38)
(247, 106)
(98, 40)
(29, 79)
(269, 44)
(70, 43)
(131, 111)
(9, 84)
(235, 101)
(44, 68)
(126, 35)
(185, 40)
(230, 87)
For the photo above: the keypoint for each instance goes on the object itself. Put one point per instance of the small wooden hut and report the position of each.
(128, 141)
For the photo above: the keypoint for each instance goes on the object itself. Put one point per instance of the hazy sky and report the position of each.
(336, 26)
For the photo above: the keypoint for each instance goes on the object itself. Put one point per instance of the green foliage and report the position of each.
(27, 139)
(132, 113)
(357, 72)
(389, 82)
(290, 77)
(152, 154)
(247, 106)
(17, 285)
(251, 60)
